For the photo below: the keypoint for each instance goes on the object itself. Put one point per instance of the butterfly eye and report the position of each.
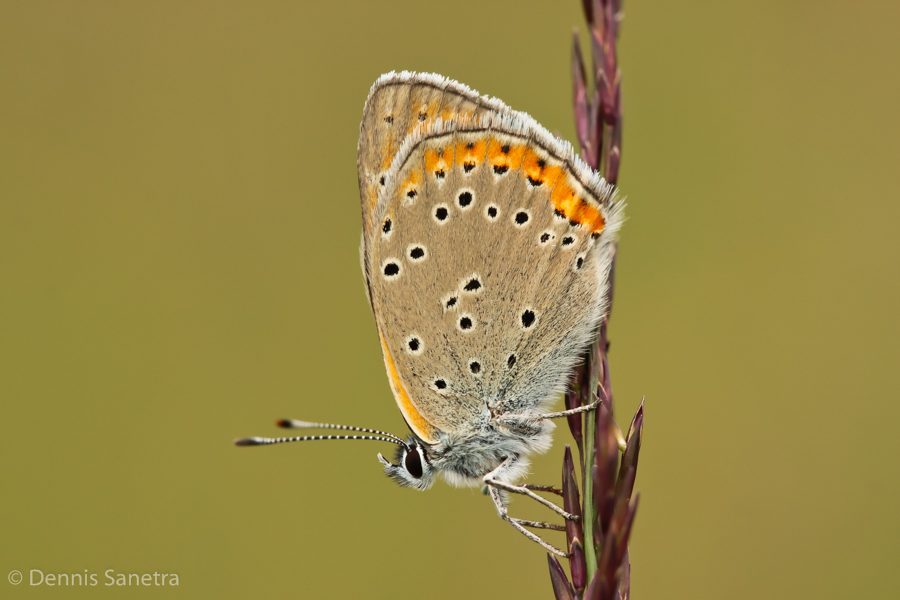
(413, 463)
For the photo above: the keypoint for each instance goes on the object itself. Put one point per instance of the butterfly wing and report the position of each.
(398, 103)
(490, 251)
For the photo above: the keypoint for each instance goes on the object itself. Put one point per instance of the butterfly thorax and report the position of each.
(464, 459)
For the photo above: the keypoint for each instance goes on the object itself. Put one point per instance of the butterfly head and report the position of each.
(413, 468)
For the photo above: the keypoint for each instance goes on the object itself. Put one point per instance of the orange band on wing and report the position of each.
(469, 154)
(576, 209)
(409, 189)
(538, 171)
(414, 418)
(504, 157)
(438, 163)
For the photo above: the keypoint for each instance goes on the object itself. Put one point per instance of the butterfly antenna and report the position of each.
(295, 424)
(261, 441)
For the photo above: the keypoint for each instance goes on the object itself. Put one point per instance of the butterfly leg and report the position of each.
(494, 479)
(530, 486)
(529, 421)
(620, 439)
(573, 411)
(495, 485)
(518, 524)
(486, 490)
(519, 489)
(540, 525)
(542, 488)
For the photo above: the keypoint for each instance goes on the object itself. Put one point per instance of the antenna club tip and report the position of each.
(295, 424)
(246, 442)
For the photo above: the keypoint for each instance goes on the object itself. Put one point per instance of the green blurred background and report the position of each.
(179, 227)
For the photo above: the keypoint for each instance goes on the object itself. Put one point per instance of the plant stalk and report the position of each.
(590, 428)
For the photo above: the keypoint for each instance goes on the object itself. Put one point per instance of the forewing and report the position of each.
(398, 103)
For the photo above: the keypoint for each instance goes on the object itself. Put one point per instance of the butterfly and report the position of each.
(486, 250)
